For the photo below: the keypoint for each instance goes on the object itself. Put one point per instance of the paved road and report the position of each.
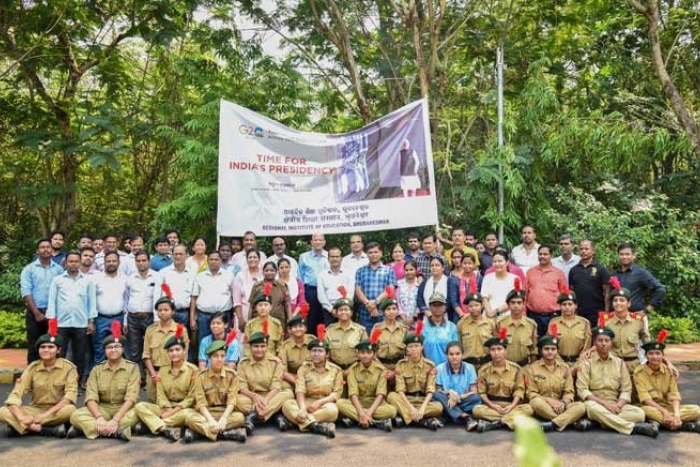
(450, 446)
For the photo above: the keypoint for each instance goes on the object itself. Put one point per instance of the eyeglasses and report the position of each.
(114, 347)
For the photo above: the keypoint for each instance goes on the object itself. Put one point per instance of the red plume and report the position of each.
(390, 291)
(419, 328)
(615, 283)
(245, 338)
(321, 332)
(231, 336)
(663, 334)
(472, 284)
(179, 331)
(564, 289)
(342, 291)
(304, 311)
(554, 330)
(53, 327)
(517, 285)
(376, 334)
(265, 327)
(267, 289)
(166, 290)
(117, 330)
(502, 333)
(601, 321)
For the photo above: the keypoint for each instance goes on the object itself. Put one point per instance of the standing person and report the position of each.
(98, 245)
(173, 238)
(243, 284)
(567, 259)
(459, 242)
(496, 286)
(212, 293)
(72, 301)
(522, 331)
(218, 325)
(357, 256)
(398, 261)
(429, 252)
(87, 261)
(367, 390)
(226, 253)
(162, 259)
(501, 386)
(311, 264)
(409, 164)
(279, 249)
(35, 282)
(550, 387)
(128, 262)
(604, 384)
(263, 322)
(278, 293)
(458, 286)
(111, 242)
(628, 326)
(591, 281)
(436, 281)
(294, 350)
(647, 293)
(198, 261)
(248, 244)
(344, 335)
(525, 255)
(236, 245)
(295, 288)
(573, 333)
(58, 239)
(438, 331)
(112, 392)
(413, 243)
(319, 384)
(139, 307)
(370, 285)
(110, 290)
(474, 329)
(543, 284)
(456, 388)
(53, 384)
(330, 282)
(389, 347)
(486, 256)
(407, 294)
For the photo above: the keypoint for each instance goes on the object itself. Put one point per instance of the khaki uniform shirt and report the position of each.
(275, 332)
(320, 384)
(658, 386)
(415, 377)
(473, 335)
(522, 338)
(342, 343)
(107, 386)
(48, 387)
(154, 340)
(213, 389)
(574, 336)
(279, 300)
(367, 383)
(294, 355)
(176, 388)
(260, 377)
(629, 333)
(391, 344)
(556, 384)
(507, 384)
(607, 379)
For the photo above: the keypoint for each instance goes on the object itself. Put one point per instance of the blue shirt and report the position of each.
(233, 352)
(232, 268)
(310, 265)
(72, 301)
(372, 282)
(459, 382)
(159, 261)
(35, 280)
(436, 337)
(641, 284)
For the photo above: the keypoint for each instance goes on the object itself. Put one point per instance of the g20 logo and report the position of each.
(250, 130)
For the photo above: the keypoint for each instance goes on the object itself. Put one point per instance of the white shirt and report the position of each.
(139, 292)
(328, 283)
(565, 266)
(242, 262)
(214, 292)
(497, 289)
(100, 260)
(352, 263)
(111, 293)
(180, 283)
(523, 259)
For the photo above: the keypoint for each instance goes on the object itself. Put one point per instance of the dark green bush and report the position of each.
(14, 333)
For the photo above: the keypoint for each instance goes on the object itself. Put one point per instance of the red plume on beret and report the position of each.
(601, 321)
(564, 289)
(321, 332)
(554, 330)
(53, 327)
(663, 334)
(502, 334)
(231, 336)
(117, 330)
(517, 285)
(615, 283)
(419, 328)
(472, 284)
(265, 328)
(179, 331)
(374, 338)
(166, 290)
(304, 311)
(342, 291)
(390, 291)
(267, 289)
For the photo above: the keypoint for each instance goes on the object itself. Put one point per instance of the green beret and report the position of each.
(261, 298)
(342, 302)
(564, 297)
(621, 292)
(386, 302)
(172, 340)
(547, 340)
(411, 338)
(294, 320)
(473, 297)
(364, 344)
(496, 341)
(315, 343)
(653, 345)
(109, 340)
(214, 346)
(604, 330)
(165, 299)
(258, 338)
(515, 294)
(47, 339)
(437, 297)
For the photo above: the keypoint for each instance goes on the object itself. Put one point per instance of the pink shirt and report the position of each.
(242, 286)
(543, 285)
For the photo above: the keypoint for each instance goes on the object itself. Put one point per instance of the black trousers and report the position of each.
(542, 321)
(134, 338)
(35, 329)
(316, 316)
(77, 340)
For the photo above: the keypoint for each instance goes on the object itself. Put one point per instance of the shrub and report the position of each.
(680, 330)
(14, 331)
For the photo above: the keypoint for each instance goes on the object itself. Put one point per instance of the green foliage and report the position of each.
(9, 281)
(14, 332)
(680, 330)
(531, 448)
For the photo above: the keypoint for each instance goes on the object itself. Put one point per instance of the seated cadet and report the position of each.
(415, 385)
(367, 389)
(456, 387)
(215, 392)
(112, 391)
(658, 391)
(390, 348)
(218, 326)
(318, 388)
(53, 384)
(174, 392)
(522, 331)
(260, 393)
(274, 326)
(604, 384)
(574, 331)
(549, 386)
(294, 350)
(474, 329)
(154, 352)
(344, 335)
(501, 387)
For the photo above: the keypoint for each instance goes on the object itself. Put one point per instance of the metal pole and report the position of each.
(499, 82)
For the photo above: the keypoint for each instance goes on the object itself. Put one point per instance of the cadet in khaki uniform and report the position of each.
(522, 331)
(474, 330)
(318, 388)
(260, 394)
(294, 350)
(501, 387)
(215, 393)
(344, 335)
(154, 353)
(628, 327)
(175, 392)
(390, 348)
(367, 389)
(273, 326)
(112, 391)
(658, 391)
(604, 383)
(415, 385)
(574, 331)
(53, 384)
(549, 387)
(277, 291)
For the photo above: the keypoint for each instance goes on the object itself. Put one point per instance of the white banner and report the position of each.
(274, 180)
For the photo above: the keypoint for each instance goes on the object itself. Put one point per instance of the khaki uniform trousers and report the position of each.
(150, 415)
(199, 424)
(383, 412)
(483, 412)
(62, 416)
(326, 414)
(689, 413)
(83, 420)
(622, 422)
(245, 404)
(432, 410)
(574, 411)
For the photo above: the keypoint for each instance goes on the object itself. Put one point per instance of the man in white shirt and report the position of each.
(328, 282)
(357, 257)
(567, 259)
(212, 293)
(110, 287)
(249, 243)
(139, 306)
(525, 255)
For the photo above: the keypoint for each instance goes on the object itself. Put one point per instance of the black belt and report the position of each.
(141, 314)
(182, 310)
(547, 313)
(110, 316)
(570, 359)
(523, 362)
(630, 359)
(389, 361)
(415, 394)
(478, 361)
(344, 367)
(500, 399)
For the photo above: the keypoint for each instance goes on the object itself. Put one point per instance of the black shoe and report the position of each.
(384, 425)
(646, 429)
(141, 429)
(430, 423)
(471, 424)
(6, 431)
(484, 426)
(58, 431)
(190, 436)
(123, 434)
(325, 429)
(250, 421)
(398, 422)
(282, 423)
(172, 433)
(691, 426)
(73, 432)
(345, 422)
(237, 434)
(583, 424)
(547, 426)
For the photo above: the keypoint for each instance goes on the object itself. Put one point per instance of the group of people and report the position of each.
(332, 339)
